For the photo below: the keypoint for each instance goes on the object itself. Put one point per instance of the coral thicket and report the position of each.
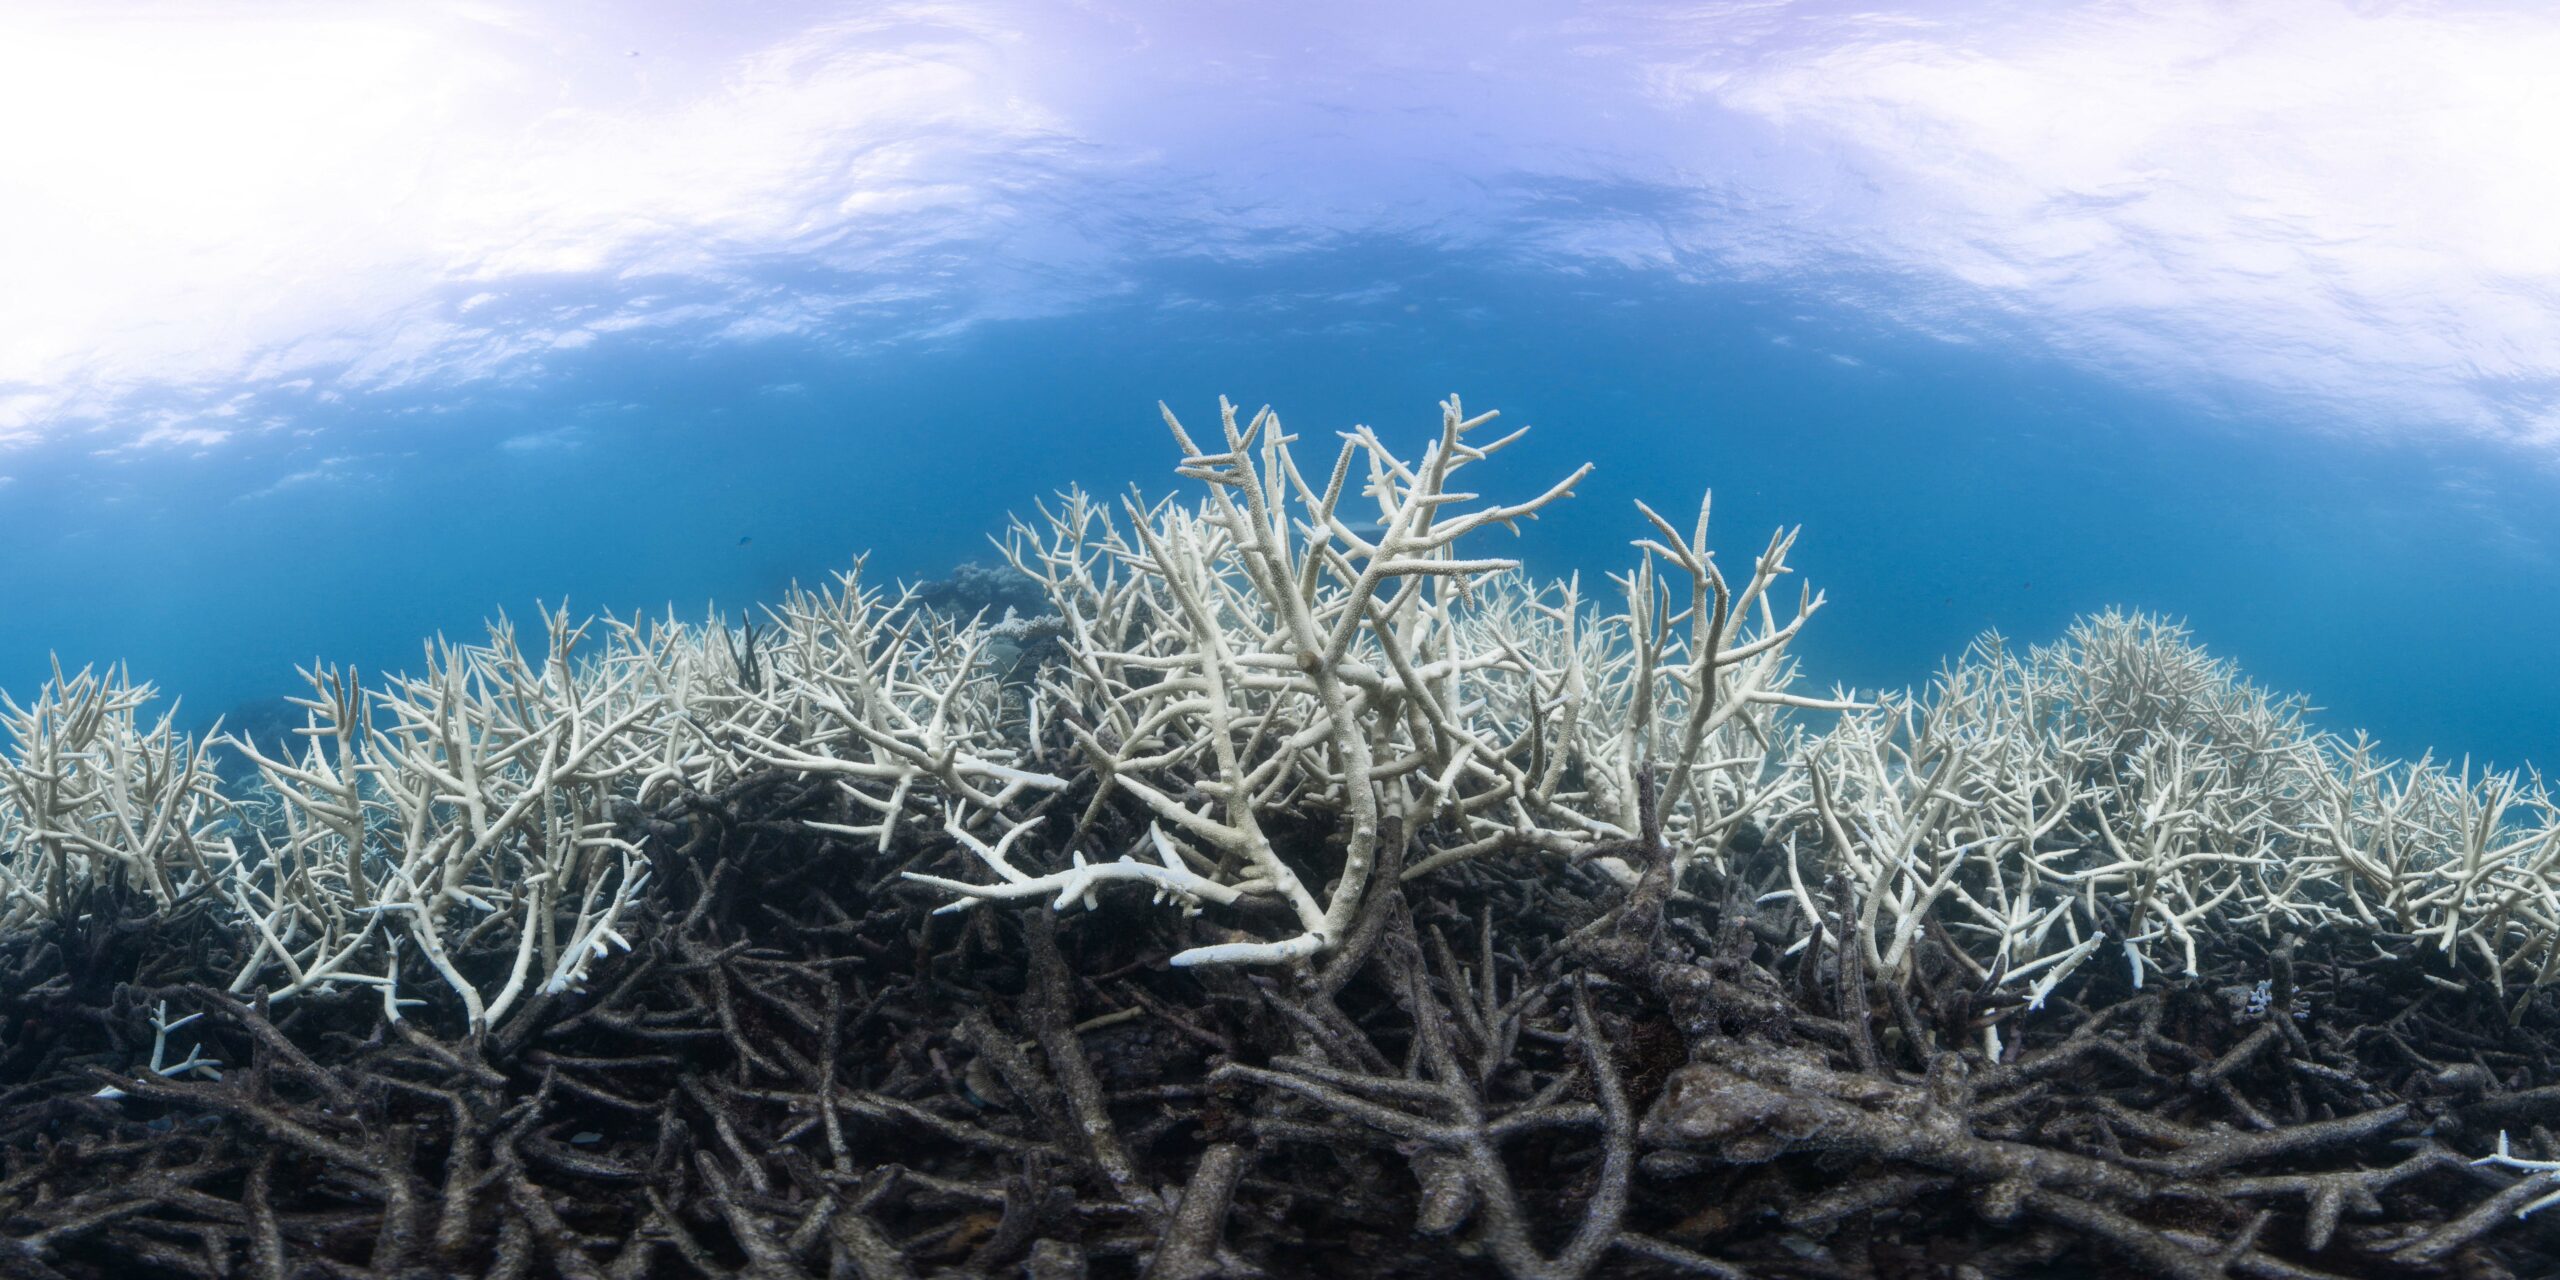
(1269, 882)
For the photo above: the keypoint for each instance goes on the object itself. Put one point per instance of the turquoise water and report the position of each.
(648, 425)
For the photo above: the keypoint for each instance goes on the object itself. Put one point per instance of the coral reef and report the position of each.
(1277, 884)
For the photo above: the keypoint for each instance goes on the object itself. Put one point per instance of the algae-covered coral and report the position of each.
(1566, 933)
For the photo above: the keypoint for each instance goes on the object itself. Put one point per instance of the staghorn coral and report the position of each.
(1560, 934)
(1298, 644)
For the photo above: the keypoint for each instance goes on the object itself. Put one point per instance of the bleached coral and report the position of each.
(442, 811)
(2122, 789)
(1321, 642)
(94, 796)
(1296, 649)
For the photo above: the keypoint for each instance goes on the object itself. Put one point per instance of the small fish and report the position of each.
(744, 539)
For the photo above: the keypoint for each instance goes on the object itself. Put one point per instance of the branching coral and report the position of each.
(466, 804)
(2122, 789)
(2089, 947)
(1270, 653)
(91, 797)
(1324, 646)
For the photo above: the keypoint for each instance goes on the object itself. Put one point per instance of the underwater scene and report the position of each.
(1191, 640)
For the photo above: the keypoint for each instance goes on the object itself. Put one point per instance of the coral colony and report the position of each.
(1295, 887)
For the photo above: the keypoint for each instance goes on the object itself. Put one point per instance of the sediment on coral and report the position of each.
(1300, 889)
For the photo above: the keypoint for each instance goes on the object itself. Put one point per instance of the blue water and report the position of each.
(2404, 582)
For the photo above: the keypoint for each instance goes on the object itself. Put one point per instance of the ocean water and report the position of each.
(2162, 380)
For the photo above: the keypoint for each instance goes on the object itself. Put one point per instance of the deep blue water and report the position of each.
(2404, 581)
